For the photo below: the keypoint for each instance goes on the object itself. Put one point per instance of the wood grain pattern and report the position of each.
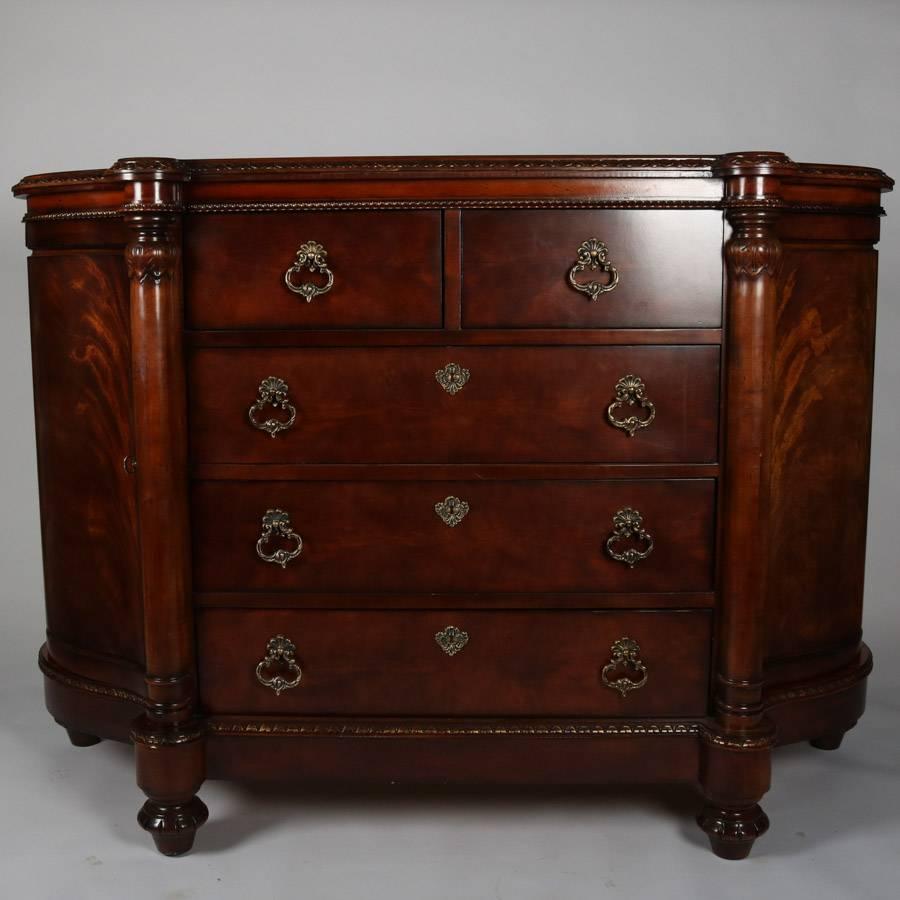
(82, 395)
(823, 365)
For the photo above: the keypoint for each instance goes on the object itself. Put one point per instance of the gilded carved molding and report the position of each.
(172, 736)
(253, 728)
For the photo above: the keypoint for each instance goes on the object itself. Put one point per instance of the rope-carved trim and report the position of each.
(88, 685)
(378, 205)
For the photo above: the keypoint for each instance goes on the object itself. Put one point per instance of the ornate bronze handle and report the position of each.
(626, 655)
(451, 639)
(280, 660)
(630, 392)
(272, 392)
(628, 525)
(276, 523)
(452, 378)
(451, 510)
(311, 256)
(593, 254)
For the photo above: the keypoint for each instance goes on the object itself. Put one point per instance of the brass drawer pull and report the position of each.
(630, 392)
(626, 656)
(311, 256)
(279, 661)
(451, 639)
(628, 525)
(592, 255)
(272, 392)
(276, 523)
(452, 378)
(451, 510)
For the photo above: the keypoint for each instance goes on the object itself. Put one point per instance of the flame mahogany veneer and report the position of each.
(534, 529)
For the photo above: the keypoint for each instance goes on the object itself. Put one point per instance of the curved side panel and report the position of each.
(822, 395)
(95, 708)
(80, 343)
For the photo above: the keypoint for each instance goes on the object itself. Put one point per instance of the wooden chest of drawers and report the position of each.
(461, 470)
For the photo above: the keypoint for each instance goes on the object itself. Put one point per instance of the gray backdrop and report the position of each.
(84, 83)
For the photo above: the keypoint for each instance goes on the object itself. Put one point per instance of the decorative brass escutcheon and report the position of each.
(280, 659)
(276, 523)
(592, 255)
(311, 256)
(272, 392)
(452, 378)
(451, 639)
(630, 392)
(626, 656)
(628, 524)
(451, 510)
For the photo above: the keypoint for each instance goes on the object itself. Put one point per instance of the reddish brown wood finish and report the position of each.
(169, 748)
(514, 663)
(538, 404)
(82, 390)
(822, 385)
(387, 270)
(508, 756)
(465, 255)
(386, 536)
(516, 266)
(752, 256)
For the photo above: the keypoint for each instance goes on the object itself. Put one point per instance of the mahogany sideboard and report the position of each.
(483, 470)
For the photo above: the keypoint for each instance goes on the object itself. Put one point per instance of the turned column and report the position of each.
(735, 756)
(168, 740)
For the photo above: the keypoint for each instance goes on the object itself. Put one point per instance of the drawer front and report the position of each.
(518, 405)
(409, 537)
(386, 270)
(668, 267)
(495, 663)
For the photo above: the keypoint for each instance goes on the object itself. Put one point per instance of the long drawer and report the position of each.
(392, 536)
(591, 268)
(454, 662)
(455, 404)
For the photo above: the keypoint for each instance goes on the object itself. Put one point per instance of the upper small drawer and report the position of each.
(375, 270)
(662, 268)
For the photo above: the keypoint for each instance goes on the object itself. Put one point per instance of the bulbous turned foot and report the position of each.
(731, 832)
(173, 827)
(80, 739)
(828, 741)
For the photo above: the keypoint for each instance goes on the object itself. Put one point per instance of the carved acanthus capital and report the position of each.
(753, 256)
(754, 248)
(151, 261)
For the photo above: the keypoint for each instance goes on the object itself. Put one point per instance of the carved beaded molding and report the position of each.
(551, 729)
(318, 729)
(387, 205)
